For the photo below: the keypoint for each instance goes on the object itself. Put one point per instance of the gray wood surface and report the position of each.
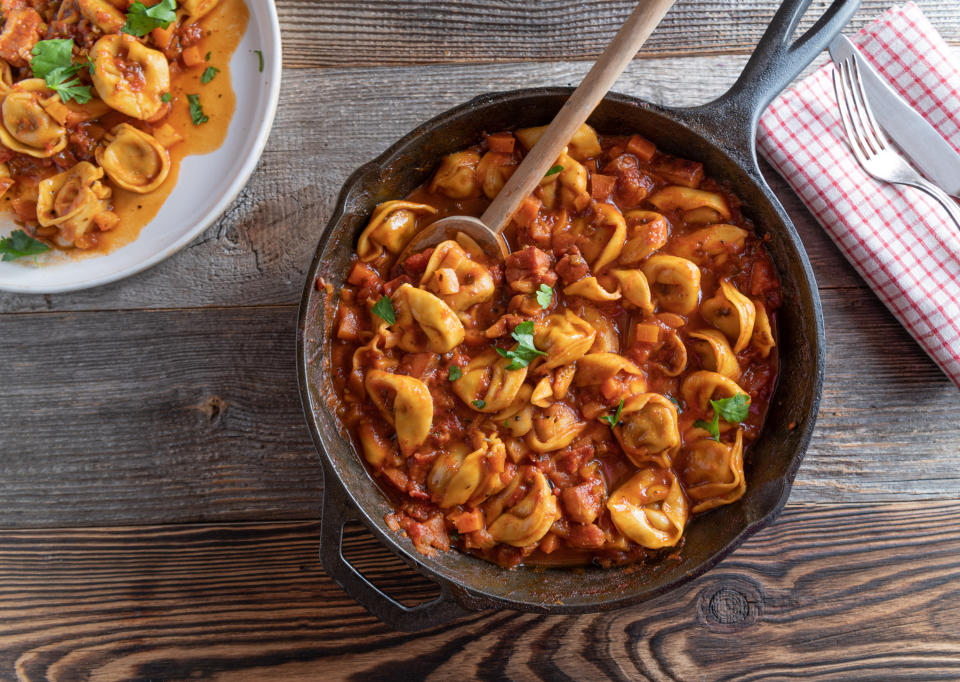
(171, 398)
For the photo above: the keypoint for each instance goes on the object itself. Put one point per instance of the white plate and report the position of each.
(205, 187)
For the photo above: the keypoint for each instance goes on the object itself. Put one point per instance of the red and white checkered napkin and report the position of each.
(900, 241)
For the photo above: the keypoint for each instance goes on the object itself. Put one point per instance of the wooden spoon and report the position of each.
(487, 230)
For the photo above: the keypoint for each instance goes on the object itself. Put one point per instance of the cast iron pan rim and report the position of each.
(428, 566)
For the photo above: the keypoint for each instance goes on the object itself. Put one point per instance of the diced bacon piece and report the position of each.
(528, 268)
(467, 521)
(501, 142)
(573, 266)
(633, 185)
(362, 274)
(21, 31)
(586, 536)
(642, 148)
(601, 186)
(528, 211)
(678, 171)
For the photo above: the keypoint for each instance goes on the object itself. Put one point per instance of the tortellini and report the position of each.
(406, 403)
(762, 332)
(701, 387)
(459, 281)
(712, 472)
(583, 145)
(732, 313)
(524, 511)
(674, 282)
(391, 226)
(590, 289)
(713, 243)
(564, 337)
(555, 428)
(133, 159)
(486, 385)
(715, 353)
(602, 240)
(494, 169)
(599, 368)
(102, 14)
(648, 429)
(650, 508)
(462, 477)
(635, 288)
(457, 176)
(72, 201)
(569, 185)
(670, 353)
(680, 198)
(647, 231)
(425, 322)
(198, 8)
(26, 125)
(129, 76)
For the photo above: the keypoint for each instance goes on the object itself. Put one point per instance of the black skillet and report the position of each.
(720, 135)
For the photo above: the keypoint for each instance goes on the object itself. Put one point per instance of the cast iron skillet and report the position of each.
(720, 135)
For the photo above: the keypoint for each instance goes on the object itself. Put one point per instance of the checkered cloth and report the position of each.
(899, 240)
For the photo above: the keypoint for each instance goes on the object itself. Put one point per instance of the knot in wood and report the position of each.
(730, 605)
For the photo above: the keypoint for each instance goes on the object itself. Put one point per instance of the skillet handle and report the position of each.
(772, 67)
(338, 509)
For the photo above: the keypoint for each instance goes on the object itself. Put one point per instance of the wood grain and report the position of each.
(391, 32)
(838, 591)
(193, 415)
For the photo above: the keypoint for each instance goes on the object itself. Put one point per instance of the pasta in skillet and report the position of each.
(583, 400)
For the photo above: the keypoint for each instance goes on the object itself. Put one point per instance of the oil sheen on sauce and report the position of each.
(223, 30)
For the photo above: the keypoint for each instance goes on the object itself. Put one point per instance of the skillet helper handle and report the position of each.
(596, 84)
(337, 510)
(776, 62)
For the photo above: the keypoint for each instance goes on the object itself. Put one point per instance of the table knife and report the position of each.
(913, 134)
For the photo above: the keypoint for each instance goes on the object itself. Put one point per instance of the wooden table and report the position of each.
(160, 493)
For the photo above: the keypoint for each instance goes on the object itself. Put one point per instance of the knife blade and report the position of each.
(919, 140)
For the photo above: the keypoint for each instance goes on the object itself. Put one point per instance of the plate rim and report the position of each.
(247, 168)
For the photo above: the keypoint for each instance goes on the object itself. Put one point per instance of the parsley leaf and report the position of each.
(142, 19)
(480, 404)
(673, 400)
(544, 296)
(525, 351)
(208, 74)
(615, 418)
(506, 422)
(206, 57)
(196, 110)
(20, 244)
(553, 171)
(166, 97)
(53, 62)
(384, 310)
(454, 373)
(259, 54)
(733, 410)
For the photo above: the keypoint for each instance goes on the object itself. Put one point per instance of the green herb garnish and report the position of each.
(454, 373)
(480, 404)
(544, 296)
(733, 410)
(166, 97)
(208, 74)
(142, 19)
(207, 56)
(20, 244)
(526, 351)
(553, 171)
(384, 310)
(196, 111)
(53, 62)
(260, 57)
(614, 419)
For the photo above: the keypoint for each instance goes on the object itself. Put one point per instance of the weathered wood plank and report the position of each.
(193, 415)
(332, 121)
(814, 595)
(388, 32)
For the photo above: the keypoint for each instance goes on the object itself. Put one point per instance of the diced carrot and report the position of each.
(528, 211)
(349, 326)
(501, 142)
(646, 333)
(468, 521)
(163, 36)
(601, 186)
(361, 274)
(191, 56)
(641, 147)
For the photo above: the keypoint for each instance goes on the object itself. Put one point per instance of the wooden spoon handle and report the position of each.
(575, 111)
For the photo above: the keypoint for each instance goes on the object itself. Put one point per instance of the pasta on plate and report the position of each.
(99, 99)
(583, 400)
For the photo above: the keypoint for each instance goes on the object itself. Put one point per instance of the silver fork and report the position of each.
(870, 145)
